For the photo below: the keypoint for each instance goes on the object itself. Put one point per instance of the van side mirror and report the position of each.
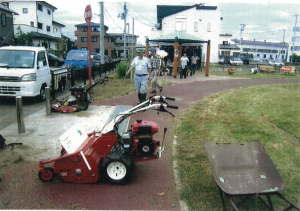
(40, 64)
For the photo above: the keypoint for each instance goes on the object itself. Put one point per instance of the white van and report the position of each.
(24, 71)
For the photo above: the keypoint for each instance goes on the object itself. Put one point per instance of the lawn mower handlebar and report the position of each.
(170, 98)
(172, 106)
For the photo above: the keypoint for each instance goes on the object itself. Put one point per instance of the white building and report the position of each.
(227, 47)
(264, 49)
(198, 20)
(296, 48)
(36, 17)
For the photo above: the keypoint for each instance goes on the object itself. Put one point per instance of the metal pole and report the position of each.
(90, 49)
(125, 13)
(283, 42)
(132, 44)
(48, 104)
(207, 59)
(102, 33)
(175, 58)
(294, 38)
(20, 115)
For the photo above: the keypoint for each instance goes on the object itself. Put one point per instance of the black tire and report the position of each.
(117, 168)
(83, 105)
(42, 95)
(48, 176)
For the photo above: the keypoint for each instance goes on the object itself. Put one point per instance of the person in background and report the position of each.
(184, 60)
(169, 65)
(194, 59)
(156, 68)
(142, 73)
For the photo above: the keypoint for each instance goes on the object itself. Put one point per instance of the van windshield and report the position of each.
(77, 56)
(17, 58)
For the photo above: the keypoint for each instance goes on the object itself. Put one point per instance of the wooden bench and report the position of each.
(288, 69)
(266, 68)
(230, 70)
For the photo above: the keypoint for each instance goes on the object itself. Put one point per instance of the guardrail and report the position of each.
(64, 77)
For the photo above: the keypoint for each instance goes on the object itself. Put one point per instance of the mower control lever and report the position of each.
(170, 98)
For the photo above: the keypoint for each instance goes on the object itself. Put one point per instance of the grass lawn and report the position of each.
(118, 87)
(268, 113)
(250, 75)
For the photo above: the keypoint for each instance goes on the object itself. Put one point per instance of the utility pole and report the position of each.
(124, 16)
(294, 37)
(242, 29)
(282, 42)
(132, 37)
(102, 33)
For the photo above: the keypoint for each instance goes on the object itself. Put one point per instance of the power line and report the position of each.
(141, 15)
(140, 21)
(112, 18)
(109, 21)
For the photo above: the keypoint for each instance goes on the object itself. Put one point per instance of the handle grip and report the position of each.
(172, 106)
(170, 98)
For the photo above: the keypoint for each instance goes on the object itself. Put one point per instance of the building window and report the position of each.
(94, 39)
(180, 23)
(25, 10)
(97, 50)
(265, 55)
(83, 39)
(3, 19)
(40, 25)
(95, 28)
(209, 27)
(40, 7)
(225, 42)
(196, 27)
(48, 28)
(32, 23)
(48, 12)
(83, 29)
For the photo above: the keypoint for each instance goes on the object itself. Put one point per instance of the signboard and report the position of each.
(88, 14)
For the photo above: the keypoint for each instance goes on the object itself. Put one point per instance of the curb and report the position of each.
(183, 204)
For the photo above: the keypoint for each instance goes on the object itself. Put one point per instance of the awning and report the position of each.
(183, 37)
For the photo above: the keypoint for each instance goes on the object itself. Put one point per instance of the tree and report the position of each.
(24, 39)
(294, 57)
(61, 47)
(69, 45)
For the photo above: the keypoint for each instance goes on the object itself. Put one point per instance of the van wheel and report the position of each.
(42, 95)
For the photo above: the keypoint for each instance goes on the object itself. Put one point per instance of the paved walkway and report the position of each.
(155, 177)
(153, 186)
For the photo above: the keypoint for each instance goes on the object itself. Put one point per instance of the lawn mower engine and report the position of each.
(139, 140)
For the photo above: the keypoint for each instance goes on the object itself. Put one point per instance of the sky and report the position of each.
(264, 20)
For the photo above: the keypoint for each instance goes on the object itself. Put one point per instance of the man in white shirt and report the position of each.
(194, 59)
(184, 60)
(142, 73)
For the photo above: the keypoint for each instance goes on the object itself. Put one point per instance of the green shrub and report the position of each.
(122, 67)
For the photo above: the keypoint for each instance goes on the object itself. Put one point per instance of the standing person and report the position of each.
(142, 73)
(194, 59)
(184, 60)
(156, 65)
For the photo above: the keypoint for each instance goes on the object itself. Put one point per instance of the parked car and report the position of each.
(245, 59)
(97, 59)
(24, 71)
(272, 62)
(236, 61)
(255, 59)
(79, 59)
(279, 62)
(55, 60)
(221, 59)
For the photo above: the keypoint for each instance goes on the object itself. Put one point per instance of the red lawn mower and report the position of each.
(107, 154)
(79, 99)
